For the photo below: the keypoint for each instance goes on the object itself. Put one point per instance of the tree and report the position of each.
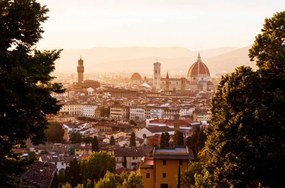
(95, 145)
(54, 133)
(164, 140)
(134, 181)
(178, 138)
(188, 177)
(132, 122)
(75, 137)
(26, 85)
(133, 140)
(109, 181)
(112, 140)
(197, 141)
(87, 140)
(74, 173)
(104, 112)
(96, 165)
(246, 144)
(71, 150)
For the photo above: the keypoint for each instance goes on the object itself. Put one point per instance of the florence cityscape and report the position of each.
(142, 94)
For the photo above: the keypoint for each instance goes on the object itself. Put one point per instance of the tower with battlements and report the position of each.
(80, 71)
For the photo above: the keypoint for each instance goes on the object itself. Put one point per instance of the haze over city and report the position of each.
(82, 28)
(193, 24)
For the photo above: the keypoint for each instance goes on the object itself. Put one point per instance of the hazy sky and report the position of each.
(194, 24)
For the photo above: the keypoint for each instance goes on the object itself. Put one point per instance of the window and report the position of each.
(163, 175)
(164, 162)
(164, 185)
(147, 175)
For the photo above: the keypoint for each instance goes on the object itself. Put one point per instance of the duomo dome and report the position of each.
(198, 71)
(136, 76)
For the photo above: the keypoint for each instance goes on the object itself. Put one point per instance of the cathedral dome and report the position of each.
(198, 71)
(136, 76)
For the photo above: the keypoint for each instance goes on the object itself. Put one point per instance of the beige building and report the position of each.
(119, 113)
(137, 113)
(161, 170)
(72, 109)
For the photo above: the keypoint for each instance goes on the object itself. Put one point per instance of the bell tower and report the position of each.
(80, 71)
(156, 76)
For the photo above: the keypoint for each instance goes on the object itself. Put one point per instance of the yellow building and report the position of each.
(161, 170)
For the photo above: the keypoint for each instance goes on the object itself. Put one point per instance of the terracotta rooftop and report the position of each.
(39, 174)
(132, 151)
(146, 162)
(158, 129)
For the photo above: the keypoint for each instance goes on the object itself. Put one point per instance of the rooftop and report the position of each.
(39, 174)
(173, 153)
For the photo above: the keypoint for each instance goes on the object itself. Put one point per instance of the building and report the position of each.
(136, 77)
(156, 76)
(39, 174)
(137, 113)
(89, 110)
(162, 169)
(201, 115)
(71, 108)
(80, 71)
(198, 78)
(119, 113)
(152, 112)
(82, 85)
(154, 130)
(129, 157)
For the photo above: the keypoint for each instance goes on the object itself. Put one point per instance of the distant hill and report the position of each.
(175, 60)
(227, 62)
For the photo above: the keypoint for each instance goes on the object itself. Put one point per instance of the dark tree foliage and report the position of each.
(164, 140)
(133, 139)
(73, 173)
(246, 143)
(54, 133)
(25, 82)
(112, 140)
(178, 138)
(132, 122)
(104, 112)
(75, 137)
(197, 141)
(95, 144)
(87, 140)
(71, 150)
(188, 177)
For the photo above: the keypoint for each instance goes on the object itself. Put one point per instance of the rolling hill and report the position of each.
(175, 60)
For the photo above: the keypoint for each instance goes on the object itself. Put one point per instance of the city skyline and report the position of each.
(191, 24)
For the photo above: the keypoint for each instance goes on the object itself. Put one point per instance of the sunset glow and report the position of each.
(187, 23)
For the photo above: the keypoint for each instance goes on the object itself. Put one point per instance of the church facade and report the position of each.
(198, 78)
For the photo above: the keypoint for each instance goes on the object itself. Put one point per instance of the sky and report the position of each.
(193, 24)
